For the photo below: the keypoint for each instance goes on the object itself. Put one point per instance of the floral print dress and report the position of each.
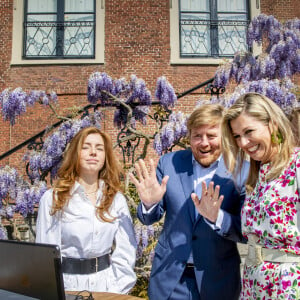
(272, 212)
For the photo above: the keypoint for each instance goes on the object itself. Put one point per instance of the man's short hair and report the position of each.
(206, 114)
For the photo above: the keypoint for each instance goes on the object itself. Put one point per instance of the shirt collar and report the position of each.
(78, 187)
(75, 188)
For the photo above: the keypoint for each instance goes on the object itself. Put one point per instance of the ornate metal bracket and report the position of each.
(128, 144)
(214, 90)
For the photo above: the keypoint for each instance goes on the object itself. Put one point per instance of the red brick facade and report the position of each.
(137, 41)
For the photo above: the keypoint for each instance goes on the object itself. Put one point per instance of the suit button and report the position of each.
(194, 237)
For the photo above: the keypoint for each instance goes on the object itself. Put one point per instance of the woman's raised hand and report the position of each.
(147, 185)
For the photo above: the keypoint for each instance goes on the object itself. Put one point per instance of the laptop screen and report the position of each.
(31, 269)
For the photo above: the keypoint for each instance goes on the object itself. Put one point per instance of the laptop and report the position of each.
(31, 269)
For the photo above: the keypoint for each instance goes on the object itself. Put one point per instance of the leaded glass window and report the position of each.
(57, 29)
(213, 28)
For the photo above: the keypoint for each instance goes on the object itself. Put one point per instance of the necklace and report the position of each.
(93, 192)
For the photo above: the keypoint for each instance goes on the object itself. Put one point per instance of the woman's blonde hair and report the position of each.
(266, 111)
(70, 171)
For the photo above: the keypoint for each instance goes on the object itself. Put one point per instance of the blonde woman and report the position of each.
(87, 216)
(256, 127)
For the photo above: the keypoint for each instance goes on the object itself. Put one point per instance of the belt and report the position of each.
(258, 254)
(189, 270)
(85, 265)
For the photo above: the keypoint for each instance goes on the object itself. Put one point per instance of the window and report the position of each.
(209, 29)
(58, 31)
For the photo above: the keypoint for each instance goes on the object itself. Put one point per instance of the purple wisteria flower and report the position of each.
(281, 58)
(171, 133)
(165, 93)
(157, 145)
(222, 75)
(28, 197)
(278, 91)
(102, 89)
(143, 234)
(119, 86)
(97, 84)
(3, 233)
(13, 103)
(167, 136)
(9, 211)
(138, 92)
(138, 234)
(269, 72)
(8, 179)
(41, 96)
(24, 194)
(144, 239)
(150, 231)
(33, 97)
(263, 25)
(120, 117)
(140, 113)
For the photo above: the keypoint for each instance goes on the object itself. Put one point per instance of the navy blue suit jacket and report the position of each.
(216, 258)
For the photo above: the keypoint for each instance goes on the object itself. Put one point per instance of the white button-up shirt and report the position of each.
(81, 234)
(206, 174)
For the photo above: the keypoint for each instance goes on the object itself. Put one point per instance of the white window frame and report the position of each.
(175, 37)
(18, 34)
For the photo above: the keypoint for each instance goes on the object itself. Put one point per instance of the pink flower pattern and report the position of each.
(272, 212)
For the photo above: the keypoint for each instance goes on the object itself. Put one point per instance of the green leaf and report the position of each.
(291, 182)
(295, 282)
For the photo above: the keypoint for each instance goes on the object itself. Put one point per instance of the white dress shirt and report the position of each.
(206, 174)
(81, 234)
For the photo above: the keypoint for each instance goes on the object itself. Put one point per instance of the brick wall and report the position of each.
(282, 10)
(136, 42)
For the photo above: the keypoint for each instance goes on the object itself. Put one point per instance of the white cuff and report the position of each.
(147, 211)
(219, 221)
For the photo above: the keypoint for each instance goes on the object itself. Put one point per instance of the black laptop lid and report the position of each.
(31, 269)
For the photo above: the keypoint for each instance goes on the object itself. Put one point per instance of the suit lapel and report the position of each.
(187, 181)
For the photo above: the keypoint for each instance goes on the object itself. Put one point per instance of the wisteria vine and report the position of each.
(171, 133)
(134, 94)
(13, 103)
(132, 100)
(17, 195)
(280, 59)
(269, 74)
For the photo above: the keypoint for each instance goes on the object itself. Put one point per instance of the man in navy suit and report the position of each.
(196, 256)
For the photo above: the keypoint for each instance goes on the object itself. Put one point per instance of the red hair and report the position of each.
(69, 172)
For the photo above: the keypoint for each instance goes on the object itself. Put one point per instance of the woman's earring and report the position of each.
(276, 139)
